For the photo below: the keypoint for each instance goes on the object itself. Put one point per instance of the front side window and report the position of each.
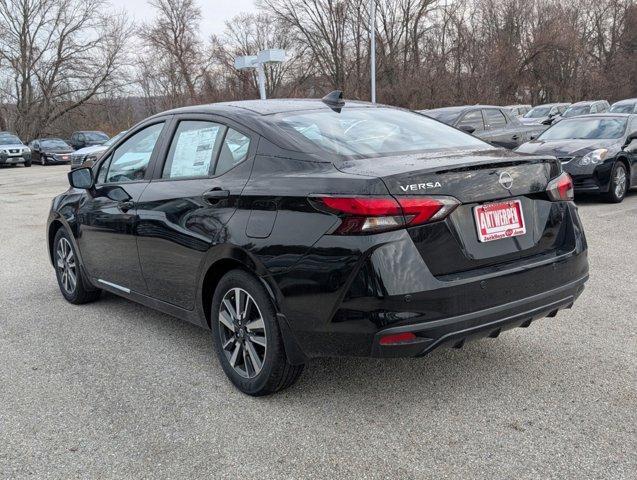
(193, 149)
(494, 118)
(373, 132)
(575, 111)
(472, 119)
(130, 160)
(234, 150)
(586, 128)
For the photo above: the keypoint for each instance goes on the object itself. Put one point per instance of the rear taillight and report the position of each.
(561, 188)
(360, 215)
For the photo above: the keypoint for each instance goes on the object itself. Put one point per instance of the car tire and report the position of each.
(27, 164)
(249, 345)
(618, 183)
(74, 287)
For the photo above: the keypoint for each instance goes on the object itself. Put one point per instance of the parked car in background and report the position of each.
(599, 151)
(496, 125)
(88, 155)
(86, 138)
(541, 113)
(587, 107)
(295, 229)
(519, 110)
(13, 151)
(624, 106)
(50, 151)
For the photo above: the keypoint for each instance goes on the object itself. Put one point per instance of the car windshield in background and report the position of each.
(574, 111)
(538, 112)
(53, 143)
(628, 108)
(445, 116)
(375, 132)
(586, 128)
(9, 140)
(96, 136)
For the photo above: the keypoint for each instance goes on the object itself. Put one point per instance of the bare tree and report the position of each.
(175, 61)
(58, 55)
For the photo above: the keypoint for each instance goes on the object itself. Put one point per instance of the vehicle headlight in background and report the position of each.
(593, 158)
(91, 158)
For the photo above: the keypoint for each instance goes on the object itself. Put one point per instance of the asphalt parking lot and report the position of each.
(116, 390)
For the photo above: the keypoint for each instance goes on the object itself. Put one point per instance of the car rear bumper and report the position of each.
(490, 322)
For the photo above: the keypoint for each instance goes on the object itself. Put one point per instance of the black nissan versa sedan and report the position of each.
(304, 228)
(598, 151)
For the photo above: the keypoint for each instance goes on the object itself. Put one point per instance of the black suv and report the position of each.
(496, 125)
(296, 229)
(87, 138)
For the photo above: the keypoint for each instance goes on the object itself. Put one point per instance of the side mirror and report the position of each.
(81, 178)
(467, 128)
(548, 121)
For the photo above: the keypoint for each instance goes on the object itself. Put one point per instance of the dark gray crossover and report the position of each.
(295, 229)
(496, 125)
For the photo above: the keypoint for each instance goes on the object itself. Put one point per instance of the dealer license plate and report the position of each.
(499, 220)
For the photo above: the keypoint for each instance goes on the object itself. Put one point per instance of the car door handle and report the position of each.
(214, 195)
(515, 137)
(125, 206)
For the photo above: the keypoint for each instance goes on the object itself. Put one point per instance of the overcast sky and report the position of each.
(215, 12)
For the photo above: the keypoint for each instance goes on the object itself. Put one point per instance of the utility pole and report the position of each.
(372, 52)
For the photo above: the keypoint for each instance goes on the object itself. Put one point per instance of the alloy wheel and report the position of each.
(620, 182)
(66, 265)
(242, 332)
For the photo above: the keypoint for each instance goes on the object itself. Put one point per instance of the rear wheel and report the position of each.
(71, 281)
(247, 338)
(618, 183)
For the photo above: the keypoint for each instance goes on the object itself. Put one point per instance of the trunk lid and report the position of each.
(469, 176)
(452, 247)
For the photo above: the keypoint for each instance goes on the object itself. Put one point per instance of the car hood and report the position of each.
(567, 148)
(12, 146)
(91, 149)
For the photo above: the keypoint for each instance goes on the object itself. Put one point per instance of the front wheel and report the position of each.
(247, 338)
(27, 164)
(618, 183)
(73, 286)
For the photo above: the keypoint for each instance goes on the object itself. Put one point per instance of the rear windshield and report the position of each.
(625, 108)
(444, 115)
(586, 128)
(369, 132)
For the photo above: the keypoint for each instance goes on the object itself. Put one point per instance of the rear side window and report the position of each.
(130, 160)
(234, 150)
(193, 149)
(472, 119)
(495, 118)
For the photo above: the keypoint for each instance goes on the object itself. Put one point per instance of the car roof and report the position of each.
(585, 102)
(605, 114)
(626, 101)
(266, 107)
